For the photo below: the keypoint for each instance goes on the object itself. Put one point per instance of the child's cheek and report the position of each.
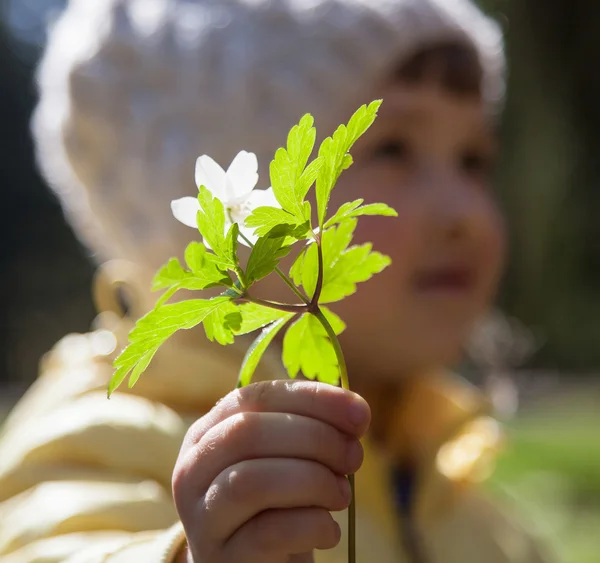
(394, 236)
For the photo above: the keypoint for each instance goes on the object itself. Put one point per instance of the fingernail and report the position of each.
(344, 488)
(358, 413)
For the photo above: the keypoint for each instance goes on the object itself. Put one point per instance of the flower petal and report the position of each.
(185, 210)
(248, 232)
(242, 177)
(210, 175)
(262, 198)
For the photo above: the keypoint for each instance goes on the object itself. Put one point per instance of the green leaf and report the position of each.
(203, 275)
(362, 119)
(211, 224)
(170, 274)
(310, 271)
(230, 260)
(297, 268)
(357, 264)
(265, 257)
(307, 349)
(337, 324)
(155, 328)
(289, 179)
(333, 151)
(221, 323)
(266, 219)
(258, 348)
(195, 256)
(308, 178)
(355, 209)
(301, 141)
(256, 316)
(167, 295)
(343, 267)
(203, 265)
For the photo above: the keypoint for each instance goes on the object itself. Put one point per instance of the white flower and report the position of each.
(235, 189)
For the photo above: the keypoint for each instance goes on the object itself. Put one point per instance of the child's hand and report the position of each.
(258, 475)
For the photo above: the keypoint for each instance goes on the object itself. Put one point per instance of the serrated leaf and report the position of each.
(337, 324)
(230, 260)
(307, 349)
(211, 224)
(170, 274)
(333, 152)
(265, 257)
(265, 219)
(308, 178)
(258, 348)
(256, 316)
(355, 208)
(343, 267)
(336, 240)
(357, 264)
(203, 275)
(155, 328)
(297, 268)
(289, 179)
(362, 119)
(310, 270)
(204, 266)
(211, 220)
(301, 141)
(167, 295)
(221, 324)
(195, 256)
(343, 212)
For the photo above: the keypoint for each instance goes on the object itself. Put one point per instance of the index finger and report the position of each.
(342, 409)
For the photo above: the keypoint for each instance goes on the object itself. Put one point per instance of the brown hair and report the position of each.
(453, 66)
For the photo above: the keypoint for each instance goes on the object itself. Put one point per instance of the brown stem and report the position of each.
(279, 306)
(314, 303)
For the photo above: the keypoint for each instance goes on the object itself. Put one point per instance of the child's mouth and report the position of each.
(452, 280)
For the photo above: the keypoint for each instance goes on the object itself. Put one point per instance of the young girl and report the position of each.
(131, 93)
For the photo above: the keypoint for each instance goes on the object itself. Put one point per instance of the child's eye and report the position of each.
(476, 163)
(392, 149)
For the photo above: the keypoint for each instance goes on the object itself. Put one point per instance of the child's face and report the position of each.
(427, 155)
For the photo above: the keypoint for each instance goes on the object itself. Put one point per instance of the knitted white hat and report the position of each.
(132, 91)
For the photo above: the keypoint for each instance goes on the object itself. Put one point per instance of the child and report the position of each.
(131, 93)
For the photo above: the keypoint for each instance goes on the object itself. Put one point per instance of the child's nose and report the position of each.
(456, 206)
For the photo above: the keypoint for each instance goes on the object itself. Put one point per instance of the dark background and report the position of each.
(45, 274)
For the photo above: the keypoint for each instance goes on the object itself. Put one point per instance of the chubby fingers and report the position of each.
(246, 490)
(248, 436)
(346, 411)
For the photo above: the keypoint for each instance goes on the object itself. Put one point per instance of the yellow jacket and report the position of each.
(84, 479)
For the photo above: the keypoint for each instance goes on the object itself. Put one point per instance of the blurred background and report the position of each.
(548, 182)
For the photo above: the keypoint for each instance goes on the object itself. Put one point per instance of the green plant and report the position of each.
(229, 211)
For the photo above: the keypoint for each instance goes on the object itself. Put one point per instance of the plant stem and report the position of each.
(291, 285)
(319, 285)
(312, 306)
(282, 275)
(345, 385)
(274, 305)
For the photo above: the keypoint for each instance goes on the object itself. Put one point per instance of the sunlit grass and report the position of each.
(550, 473)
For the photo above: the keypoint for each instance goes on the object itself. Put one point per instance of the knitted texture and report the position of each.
(132, 91)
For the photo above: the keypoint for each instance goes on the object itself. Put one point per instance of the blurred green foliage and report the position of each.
(550, 474)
